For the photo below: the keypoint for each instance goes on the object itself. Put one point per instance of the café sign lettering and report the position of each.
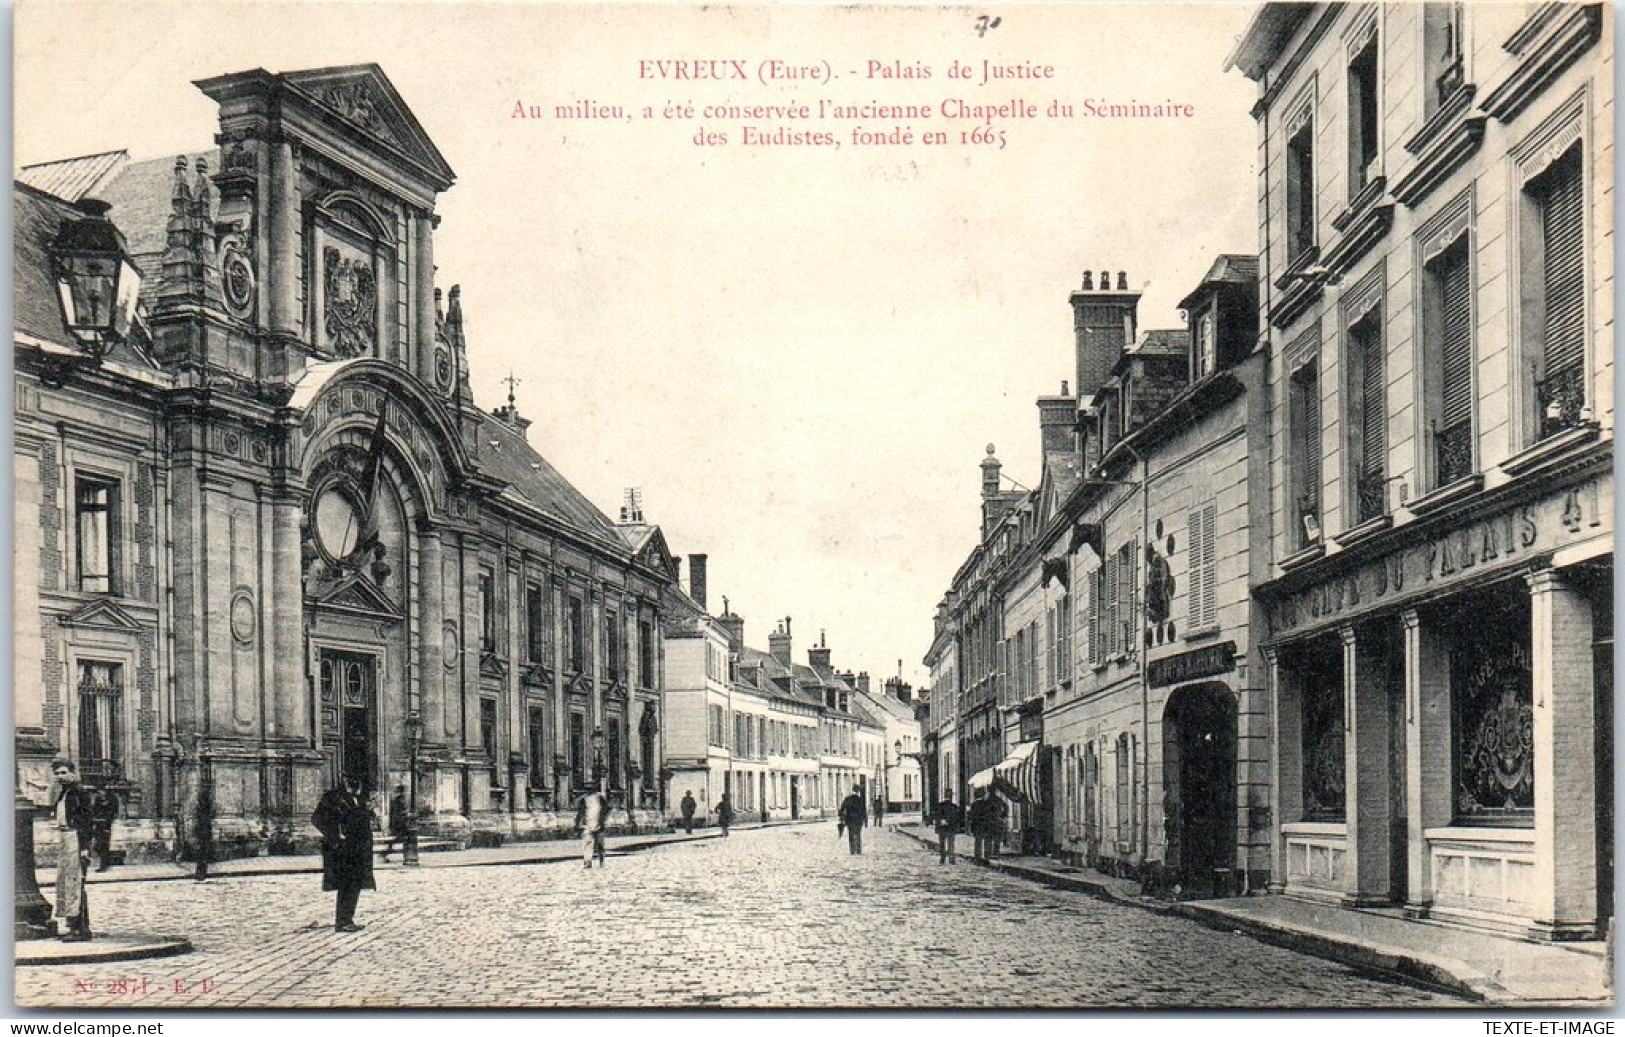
(1504, 539)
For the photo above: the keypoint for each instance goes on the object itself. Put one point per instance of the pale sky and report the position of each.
(798, 354)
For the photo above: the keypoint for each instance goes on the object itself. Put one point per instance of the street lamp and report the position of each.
(97, 283)
(414, 734)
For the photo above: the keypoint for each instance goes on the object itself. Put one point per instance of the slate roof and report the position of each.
(1229, 268)
(536, 482)
(36, 217)
(71, 179)
(1163, 342)
(142, 196)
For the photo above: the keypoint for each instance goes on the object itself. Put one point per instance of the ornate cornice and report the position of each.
(1569, 31)
(1446, 153)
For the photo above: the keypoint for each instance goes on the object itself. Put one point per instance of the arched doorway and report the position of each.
(1199, 782)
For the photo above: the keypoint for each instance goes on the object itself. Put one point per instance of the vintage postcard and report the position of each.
(569, 505)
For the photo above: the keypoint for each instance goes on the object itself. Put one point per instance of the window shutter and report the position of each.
(1456, 361)
(1311, 437)
(1562, 225)
(1210, 564)
(1093, 607)
(1373, 402)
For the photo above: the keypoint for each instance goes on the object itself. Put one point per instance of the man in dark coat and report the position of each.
(75, 815)
(689, 807)
(948, 818)
(725, 814)
(399, 817)
(853, 814)
(976, 818)
(879, 816)
(345, 821)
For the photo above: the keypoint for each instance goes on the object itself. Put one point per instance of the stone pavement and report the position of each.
(1475, 964)
(775, 917)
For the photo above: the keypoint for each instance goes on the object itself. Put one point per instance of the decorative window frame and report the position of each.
(1455, 221)
(1539, 149)
(1361, 303)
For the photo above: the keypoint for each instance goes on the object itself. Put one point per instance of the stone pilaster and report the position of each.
(1369, 792)
(1565, 886)
(1427, 753)
(432, 638)
(1286, 763)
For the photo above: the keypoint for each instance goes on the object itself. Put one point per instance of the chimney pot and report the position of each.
(696, 578)
(1122, 280)
(1088, 281)
(1105, 280)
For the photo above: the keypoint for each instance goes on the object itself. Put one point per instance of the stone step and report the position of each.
(424, 845)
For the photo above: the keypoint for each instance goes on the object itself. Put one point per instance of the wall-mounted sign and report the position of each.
(1208, 661)
(1501, 540)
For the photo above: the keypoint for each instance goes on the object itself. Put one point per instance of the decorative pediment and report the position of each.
(655, 554)
(617, 690)
(363, 98)
(355, 592)
(539, 674)
(492, 666)
(580, 684)
(101, 613)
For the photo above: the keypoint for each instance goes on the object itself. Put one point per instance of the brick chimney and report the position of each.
(735, 625)
(1103, 323)
(899, 689)
(862, 682)
(818, 656)
(1058, 423)
(696, 579)
(778, 644)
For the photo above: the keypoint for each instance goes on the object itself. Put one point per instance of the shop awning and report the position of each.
(1016, 774)
(1019, 771)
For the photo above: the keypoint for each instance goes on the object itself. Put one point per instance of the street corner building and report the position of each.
(1314, 596)
(265, 541)
(1438, 284)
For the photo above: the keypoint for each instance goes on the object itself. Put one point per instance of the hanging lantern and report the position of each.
(96, 280)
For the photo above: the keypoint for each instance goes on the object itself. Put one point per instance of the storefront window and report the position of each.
(1493, 697)
(1323, 765)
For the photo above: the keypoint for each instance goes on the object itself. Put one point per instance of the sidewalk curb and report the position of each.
(1447, 975)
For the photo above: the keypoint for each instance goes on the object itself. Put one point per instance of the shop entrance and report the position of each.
(1199, 779)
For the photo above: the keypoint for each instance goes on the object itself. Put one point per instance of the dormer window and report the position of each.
(1204, 358)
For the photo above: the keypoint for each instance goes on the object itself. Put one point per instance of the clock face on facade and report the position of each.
(337, 523)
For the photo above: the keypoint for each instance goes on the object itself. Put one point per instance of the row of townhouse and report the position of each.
(783, 740)
(1315, 594)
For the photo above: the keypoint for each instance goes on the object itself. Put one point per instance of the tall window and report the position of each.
(613, 750)
(1205, 355)
(578, 749)
(488, 736)
(1448, 362)
(1558, 303)
(538, 746)
(1323, 756)
(1441, 53)
(1305, 452)
(1368, 416)
(101, 728)
(535, 624)
(1363, 117)
(488, 613)
(96, 504)
(1128, 558)
(575, 635)
(1201, 569)
(1300, 190)
(646, 654)
(614, 641)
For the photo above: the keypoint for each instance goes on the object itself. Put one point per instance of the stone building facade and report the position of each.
(269, 542)
(1435, 204)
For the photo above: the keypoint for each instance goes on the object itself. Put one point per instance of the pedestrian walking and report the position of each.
(105, 806)
(976, 817)
(878, 819)
(399, 818)
(345, 821)
(948, 821)
(853, 815)
(725, 814)
(75, 818)
(592, 817)
(689, 806)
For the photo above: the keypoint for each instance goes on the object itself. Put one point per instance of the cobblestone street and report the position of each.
(775, 917)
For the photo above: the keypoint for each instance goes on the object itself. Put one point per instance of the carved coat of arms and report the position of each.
(351, 304)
